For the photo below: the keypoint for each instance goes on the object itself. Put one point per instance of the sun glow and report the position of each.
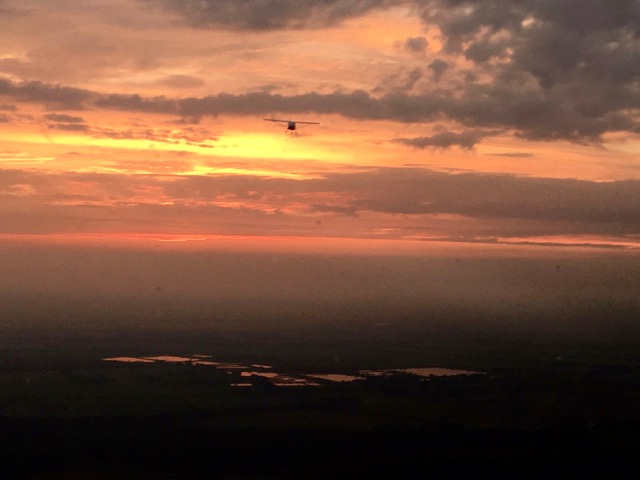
(273, 146)
(259, 172)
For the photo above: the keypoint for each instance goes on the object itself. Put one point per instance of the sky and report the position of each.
(487, 121)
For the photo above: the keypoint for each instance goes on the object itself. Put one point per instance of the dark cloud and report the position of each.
(532, 113)
(465, 140)
(138, 103)
(557, 205)
(542, 69)
(54, 96)
(4, 118)
(8, 108)
(404, 81)
(412, 78)
(569, 69)
(438, 67)
(484, 50)
(62, 118)
(416, 44)
(69, 123)
(357, 104)
(564, 70)
(270, 14)
(69, 127)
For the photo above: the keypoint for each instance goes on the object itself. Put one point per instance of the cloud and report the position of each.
(62, 118)
(567, 69)
(55, 96)
(69, 123)
(182, 81)
(506, 196)
(403, 81)
(18, 190)
(544, 69)
(137, 103)
(410, 201)
(438, 67)
(530, 112)
(527, 110)
(487, 205)
(357, 104)
(411, 79)
(187, 135)
(514, 154)
(270, 14)
(3, 9)
(416, 44)
(484, 50)
(465, 140)
(541, 69)
(69, 127)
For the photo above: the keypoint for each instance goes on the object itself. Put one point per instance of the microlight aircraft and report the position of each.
(291, 124)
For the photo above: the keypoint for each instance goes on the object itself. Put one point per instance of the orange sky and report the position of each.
(461, 123)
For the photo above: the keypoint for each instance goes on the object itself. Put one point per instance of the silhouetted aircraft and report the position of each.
(291, 124)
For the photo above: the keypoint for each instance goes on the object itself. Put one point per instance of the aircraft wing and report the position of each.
(291, 121)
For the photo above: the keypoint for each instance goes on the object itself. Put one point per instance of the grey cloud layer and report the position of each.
(418, 191)
(466, 140)
(271, 14)
(542, 69)
(497, 205)
(529, 112)
(55, 96)
(559, 69)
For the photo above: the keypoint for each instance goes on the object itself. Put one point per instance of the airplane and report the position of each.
(291, 124)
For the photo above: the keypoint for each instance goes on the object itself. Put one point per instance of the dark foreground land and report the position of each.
(537, 407)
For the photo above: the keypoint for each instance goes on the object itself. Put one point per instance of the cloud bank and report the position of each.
(537, 69)
(406, 202)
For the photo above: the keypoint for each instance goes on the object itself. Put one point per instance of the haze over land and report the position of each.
(289, 291)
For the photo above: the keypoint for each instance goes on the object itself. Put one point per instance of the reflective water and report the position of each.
(287, 380)
(128, 360)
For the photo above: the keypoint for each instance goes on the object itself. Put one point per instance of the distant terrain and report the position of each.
(553, 335)
(536, 405)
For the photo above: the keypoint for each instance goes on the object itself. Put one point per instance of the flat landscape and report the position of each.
(315, 403)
